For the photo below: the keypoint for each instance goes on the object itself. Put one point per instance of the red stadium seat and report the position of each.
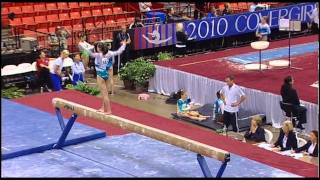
(29, 33)
(39, 8)
(107, 11)
(93, 4)
(121, 20)
(27, 10)
(40, 19)
(100, 24)
(52, 29)
(90, 26)
(73, 5)
(64, 17)
(117, 10)
(15, 22)
(94, 38)
(130, 19)
(53, 18)
(44, 30)
(51, 6)
(86, 13)
(15, 9)
(97, 12)
(69, 28)
(62, 5)
(77, 27)
(28, 21)
(84, 4)
(4, 11)
(75, 15)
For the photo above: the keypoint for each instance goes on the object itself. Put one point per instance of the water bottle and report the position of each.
(41, 89)
(224, 130)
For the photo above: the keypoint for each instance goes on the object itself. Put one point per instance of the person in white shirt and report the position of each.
(145, 6)
(77, 70)
(56, 70)
(232, 96)
(83, 45)
(315, 19)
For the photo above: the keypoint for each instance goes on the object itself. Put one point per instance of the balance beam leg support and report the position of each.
(204, 166)
(60, 118)
(65, 132)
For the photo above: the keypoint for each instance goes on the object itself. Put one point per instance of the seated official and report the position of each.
(312, 145)
(287, 139)
(256, 132)
(184, 108)
(289, 95)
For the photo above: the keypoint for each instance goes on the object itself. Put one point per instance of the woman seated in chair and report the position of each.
(256, 132)
(184, 108)
(287, 139)
(311, 147)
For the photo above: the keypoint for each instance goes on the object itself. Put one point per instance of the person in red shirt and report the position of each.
(43, 71)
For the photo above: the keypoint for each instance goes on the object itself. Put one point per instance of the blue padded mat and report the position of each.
(129, 155)
(24, 128)
(274, 53)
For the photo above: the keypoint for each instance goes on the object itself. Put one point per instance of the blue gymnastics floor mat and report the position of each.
(130, 155)
(26, 130)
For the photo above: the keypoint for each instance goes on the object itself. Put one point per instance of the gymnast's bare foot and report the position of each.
(107, 113)
(101, 110)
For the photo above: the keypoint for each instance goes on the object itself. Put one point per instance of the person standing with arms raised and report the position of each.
(232, 96)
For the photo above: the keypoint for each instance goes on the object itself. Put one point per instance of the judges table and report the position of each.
(299, 156)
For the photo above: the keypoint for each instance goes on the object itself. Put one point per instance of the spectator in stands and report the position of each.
(56, 70)
(78, 69)
(263, 29)
(311, 147)
(124, 36)
(226, 10)
(137, 23)
(145, 6)
(315, 19)
(184, 108)
(83, 45)
(287, 139)
(43, 71)
(54, 45)
(218, 108)
(232, 96)
(63, 34)
(199, 8)
(103, 61)
(253, 6)
(212, 13)
(289, 95)
(256, 132)
(172, 17)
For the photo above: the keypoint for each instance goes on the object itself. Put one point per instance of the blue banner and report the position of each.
(235, 24)
(245, 22)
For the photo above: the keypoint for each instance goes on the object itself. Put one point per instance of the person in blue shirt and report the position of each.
(184, 108)
(78, 70)
(263, 29)
(212, 13)
(218, 108)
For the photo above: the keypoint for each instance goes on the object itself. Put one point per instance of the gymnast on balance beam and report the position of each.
(103, 62)
(184, 108)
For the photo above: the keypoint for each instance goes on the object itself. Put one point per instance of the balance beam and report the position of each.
(142, 129)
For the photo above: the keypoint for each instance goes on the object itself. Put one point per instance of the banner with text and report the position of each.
(236, 24)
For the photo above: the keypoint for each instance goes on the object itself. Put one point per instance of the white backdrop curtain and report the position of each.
(203, 90)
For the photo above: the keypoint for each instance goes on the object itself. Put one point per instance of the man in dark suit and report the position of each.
(289, 95)
(312, 145)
